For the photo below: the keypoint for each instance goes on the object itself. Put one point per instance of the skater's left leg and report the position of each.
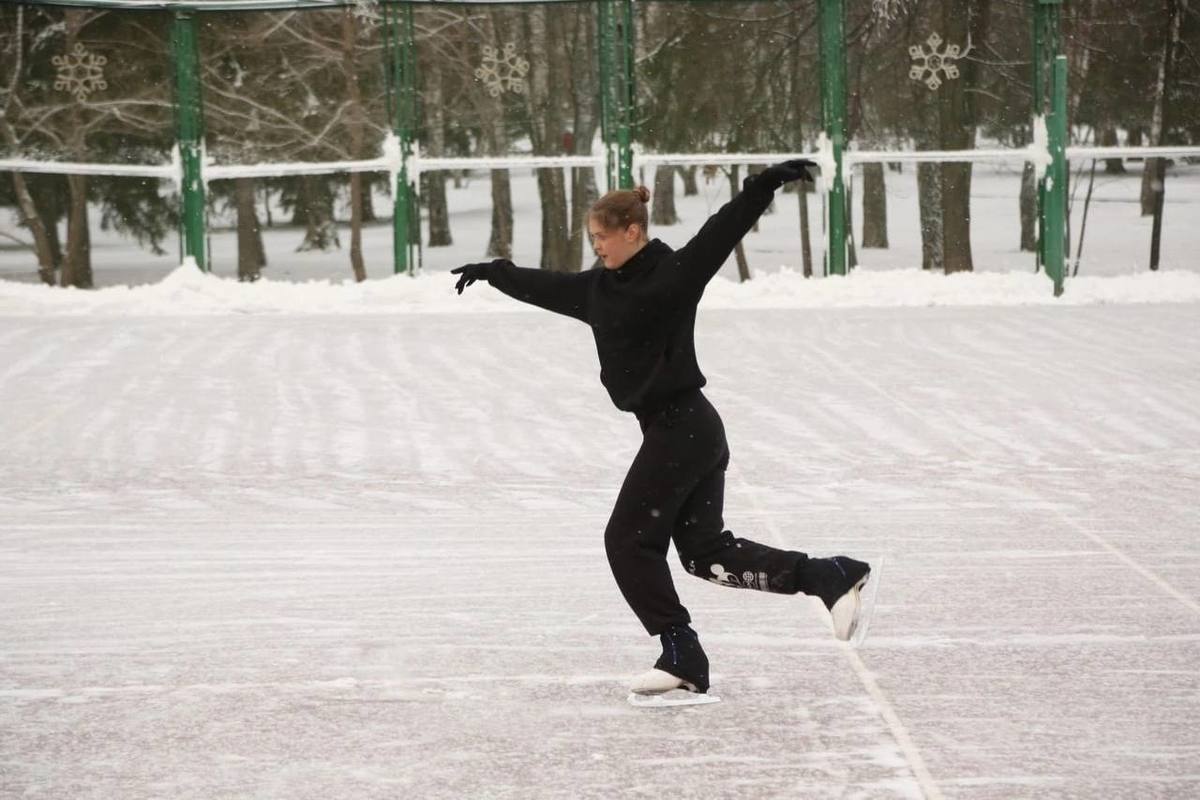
(709, 551)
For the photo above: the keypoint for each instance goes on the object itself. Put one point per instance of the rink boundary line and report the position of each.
(895, 725)
(1145, 572)
(883, 706)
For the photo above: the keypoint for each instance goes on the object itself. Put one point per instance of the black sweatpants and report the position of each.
(675, 490)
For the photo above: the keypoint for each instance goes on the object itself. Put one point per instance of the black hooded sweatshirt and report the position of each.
(643, 314)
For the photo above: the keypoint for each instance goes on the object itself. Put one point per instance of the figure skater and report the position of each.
(641, 306)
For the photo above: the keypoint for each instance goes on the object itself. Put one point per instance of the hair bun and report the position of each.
(642, 193)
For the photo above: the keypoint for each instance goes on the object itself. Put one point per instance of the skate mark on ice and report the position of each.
(1145, 572)
(882, 705)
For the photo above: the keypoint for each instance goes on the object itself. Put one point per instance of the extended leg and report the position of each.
(710, 552)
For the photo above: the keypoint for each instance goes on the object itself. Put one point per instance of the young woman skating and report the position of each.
(641, 307)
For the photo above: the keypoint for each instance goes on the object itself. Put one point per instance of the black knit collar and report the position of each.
(640, 261)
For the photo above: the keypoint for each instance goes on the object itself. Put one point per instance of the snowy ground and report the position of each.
(300, 555)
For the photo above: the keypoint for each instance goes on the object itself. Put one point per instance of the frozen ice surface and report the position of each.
(319, 556)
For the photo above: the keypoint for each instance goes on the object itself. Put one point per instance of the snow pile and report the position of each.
(186, 290)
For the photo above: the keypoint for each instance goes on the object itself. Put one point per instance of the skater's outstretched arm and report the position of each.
(560, 292)
(701, 258)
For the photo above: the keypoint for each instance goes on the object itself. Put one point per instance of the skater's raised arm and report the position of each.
(560, 292)
(701, 258)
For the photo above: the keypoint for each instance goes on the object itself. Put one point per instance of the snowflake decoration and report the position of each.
(934, 62)
(80, 72)
(505, 73)
(367, 11)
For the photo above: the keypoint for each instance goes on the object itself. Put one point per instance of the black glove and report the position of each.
(796, 169)
(473, 272)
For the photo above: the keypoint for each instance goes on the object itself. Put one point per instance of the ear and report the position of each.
(633, 232)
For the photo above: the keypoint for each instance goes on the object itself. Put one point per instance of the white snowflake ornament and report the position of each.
(934, 63)
(502, 73)
(80, 72)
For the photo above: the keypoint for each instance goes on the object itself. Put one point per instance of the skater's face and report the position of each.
(615, 246)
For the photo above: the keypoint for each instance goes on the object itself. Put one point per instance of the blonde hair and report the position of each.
(621, 208)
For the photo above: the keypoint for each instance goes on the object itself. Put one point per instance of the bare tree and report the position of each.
(14, 48)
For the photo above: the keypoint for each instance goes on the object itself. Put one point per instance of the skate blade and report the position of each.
(866, 608)
(677, 697)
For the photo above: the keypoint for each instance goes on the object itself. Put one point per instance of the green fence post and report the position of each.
(1039, 110)
(402, 98)
(1050, 101)
(189, 123)
(616, 90)
(833, 119)
(1056, 191)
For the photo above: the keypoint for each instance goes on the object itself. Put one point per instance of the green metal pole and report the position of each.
(1050, 101)
(833, 118)
(1039, 110)
(616, 46)
(1056, 191)
(401, 45)
(189, 120)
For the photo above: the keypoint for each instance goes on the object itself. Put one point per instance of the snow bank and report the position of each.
(189, 291)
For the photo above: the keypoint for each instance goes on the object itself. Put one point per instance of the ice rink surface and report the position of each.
(299, 556)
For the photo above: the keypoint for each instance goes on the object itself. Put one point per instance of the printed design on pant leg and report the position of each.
(748, 580)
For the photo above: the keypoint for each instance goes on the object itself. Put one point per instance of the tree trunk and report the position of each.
(41, 239)
(47, 192)
(802, 194)
(434, 183)
(797, 142)
(552, 190)
(929, 194)
(1028, 208)
(266, 201)
(584, 194)
(1108, 138)
(251, 257)
(500, 242)
(739, 251)
(30, 218)
(688, 174)
(368, 203)
(357, 266)
(1166, 74)
(1151, 168)
(355, 123)
(495, 142)
(956, 114)
(663, 207)
(544, 35)
(583, 179)
(77, 268)
(317, 213)
(874, 206)
(851, 249)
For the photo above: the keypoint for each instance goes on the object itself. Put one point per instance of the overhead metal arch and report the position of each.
(266, 5)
